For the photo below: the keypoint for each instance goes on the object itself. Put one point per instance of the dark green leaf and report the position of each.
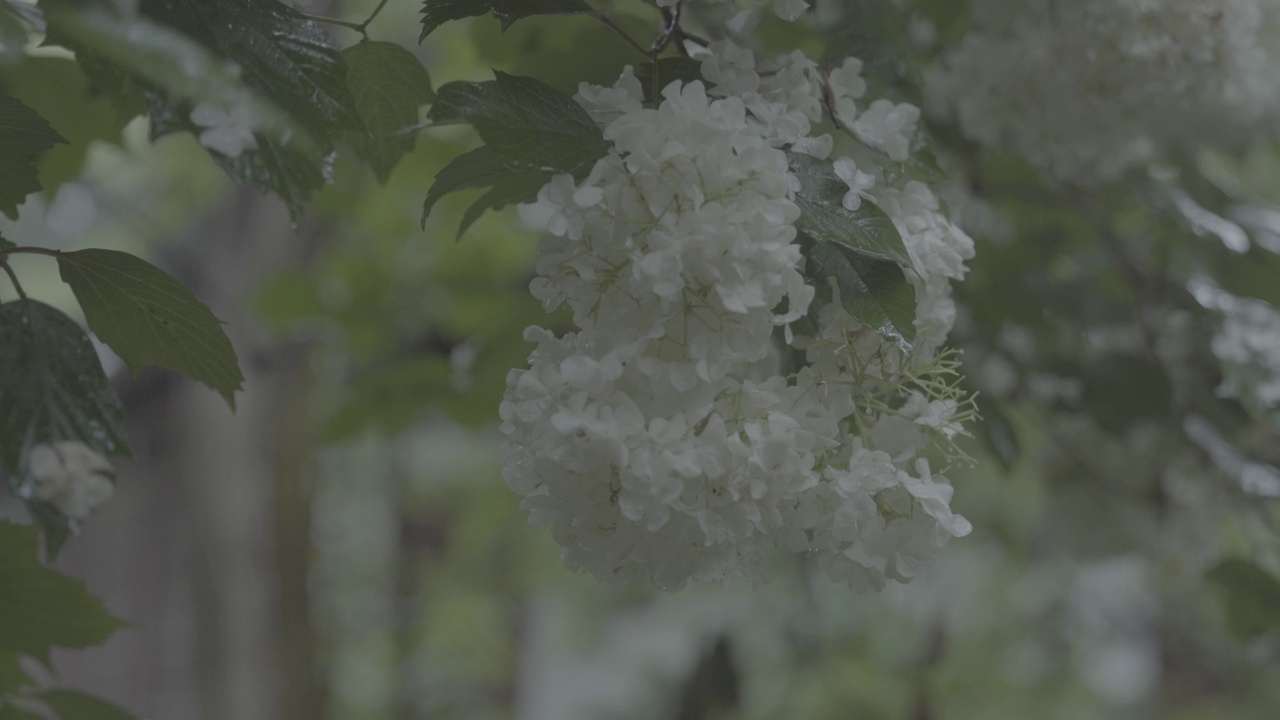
(662, 72)
(1253, 597)
(52, 387)
(867, 231)
(284, 57)
(388, 85)
(526, 122)
(476, 168)
(561, 42)
(521, 187)
(292, 175)
(437, 12)
(168, 61)
(5, 244)
(874, 292)
(148, 317)
(482, 168)
(73, 705)
(41, 608)
(24, 136)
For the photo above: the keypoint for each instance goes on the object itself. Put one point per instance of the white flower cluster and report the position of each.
(663, 440)
(228, 129)
(71, 476)
(1091, 87)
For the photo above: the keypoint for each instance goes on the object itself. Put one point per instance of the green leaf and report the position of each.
(388, 84)
(524, 121)
(41, 608)
(1253, 597)
(662, 72)
(867, 231)
(482, 168)
(5, 244)
(283, 56)
(73, 705)
(874, 292)
(24, 136)
(521, 187)
(167, 61)
(147, 317)
(52, 387)
(476, 168)
(437, 12)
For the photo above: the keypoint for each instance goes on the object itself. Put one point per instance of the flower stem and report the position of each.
(609, 23)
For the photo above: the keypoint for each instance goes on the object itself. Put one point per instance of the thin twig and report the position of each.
(13, 279)
(609, 23)
(683, 35)
(672, 19)
(334, 21)
(360, 27)
(364, 25)
(29, 251)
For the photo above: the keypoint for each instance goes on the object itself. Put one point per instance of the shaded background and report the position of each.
(343, 546)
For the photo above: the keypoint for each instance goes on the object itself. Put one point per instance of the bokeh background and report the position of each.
(343, 546)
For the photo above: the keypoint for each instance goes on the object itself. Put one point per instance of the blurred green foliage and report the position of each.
(1115, 571)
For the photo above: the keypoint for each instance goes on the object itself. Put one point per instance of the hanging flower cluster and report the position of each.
(1092, 87)
(717, 399)
(71, 477)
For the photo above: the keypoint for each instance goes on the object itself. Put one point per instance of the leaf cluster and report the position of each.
(41, 609)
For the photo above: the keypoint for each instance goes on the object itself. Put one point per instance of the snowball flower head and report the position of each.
(662, 440)
(70, 476)
(889, 127)
(226, 129)
(1090, 88)
(859, 182)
